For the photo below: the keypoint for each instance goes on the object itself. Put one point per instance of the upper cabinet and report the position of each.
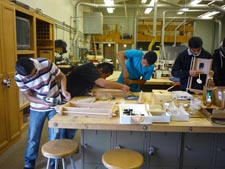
(36, 35)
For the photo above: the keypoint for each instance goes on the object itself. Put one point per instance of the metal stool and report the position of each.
(60, 149)
(122, 159)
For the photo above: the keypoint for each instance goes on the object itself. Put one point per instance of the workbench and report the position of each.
(153, 83)
(196, 144)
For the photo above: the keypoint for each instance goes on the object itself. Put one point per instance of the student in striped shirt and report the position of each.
(38, 79)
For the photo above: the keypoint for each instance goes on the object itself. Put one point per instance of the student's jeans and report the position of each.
(37, 120)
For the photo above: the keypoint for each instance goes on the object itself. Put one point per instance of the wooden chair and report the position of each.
(60, 149)
(122, 159)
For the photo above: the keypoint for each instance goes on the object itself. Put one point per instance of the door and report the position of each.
(11, 97)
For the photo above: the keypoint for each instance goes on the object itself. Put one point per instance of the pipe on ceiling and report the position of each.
(163, 27)
(219, 31)
(175, 31)
(216, 7)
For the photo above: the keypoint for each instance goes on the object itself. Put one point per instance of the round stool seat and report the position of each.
(59, 148)
(122, 159)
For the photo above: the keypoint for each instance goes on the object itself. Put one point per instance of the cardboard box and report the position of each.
(134, 114)
(140, 115)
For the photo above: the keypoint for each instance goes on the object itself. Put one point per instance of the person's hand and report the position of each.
(125, 88)
(67, 96)
(211, 73)
(194, 73)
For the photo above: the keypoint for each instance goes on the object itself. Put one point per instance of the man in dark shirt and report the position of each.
(182, 68)
(219, 65)
(83, 78)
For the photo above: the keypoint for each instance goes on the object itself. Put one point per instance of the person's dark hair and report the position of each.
(151, 57)
(195, 42)
(24, 66)
(106, 67)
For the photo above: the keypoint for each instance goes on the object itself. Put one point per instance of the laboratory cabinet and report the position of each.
(198, 150)
(94, 144)
(9, 102)
(220, 151)
(161, 150)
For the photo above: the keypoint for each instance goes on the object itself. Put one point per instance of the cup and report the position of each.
(195, 106)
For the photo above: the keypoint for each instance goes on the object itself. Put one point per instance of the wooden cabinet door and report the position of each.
(3, 122)
(8, 60)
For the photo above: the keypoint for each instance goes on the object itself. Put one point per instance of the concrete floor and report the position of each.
(13, 157)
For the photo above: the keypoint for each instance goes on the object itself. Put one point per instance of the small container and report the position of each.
(194, 106)
(208, 99)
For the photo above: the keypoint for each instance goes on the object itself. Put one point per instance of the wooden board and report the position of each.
(203, 65)
(105, 94)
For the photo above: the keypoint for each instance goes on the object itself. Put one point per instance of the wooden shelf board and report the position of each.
(23, 52)
(24, 106)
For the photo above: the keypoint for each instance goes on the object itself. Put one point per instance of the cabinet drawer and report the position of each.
(46, 54)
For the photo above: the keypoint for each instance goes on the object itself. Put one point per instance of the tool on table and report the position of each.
(199, 81)
(131, 96)
(52, 100)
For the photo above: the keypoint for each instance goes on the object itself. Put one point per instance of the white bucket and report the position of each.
(158, 74)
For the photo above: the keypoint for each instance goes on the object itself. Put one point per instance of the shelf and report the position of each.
(24, 52)
(25, 105)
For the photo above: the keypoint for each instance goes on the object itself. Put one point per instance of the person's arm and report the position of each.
(121, 58)
(111, 85)
(216, 64)
(32, 98)
(62, 79)
(177, 69)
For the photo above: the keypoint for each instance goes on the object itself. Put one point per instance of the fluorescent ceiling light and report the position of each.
(148, 10)
(180, 12)
(143, 1)
(208, 15)
(195, 2)
(109, 2)
(184, 9)
(152, 3)
(110, 10)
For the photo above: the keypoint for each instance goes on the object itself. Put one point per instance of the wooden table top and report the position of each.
(197, 123)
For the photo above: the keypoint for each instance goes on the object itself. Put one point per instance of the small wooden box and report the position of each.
(161, 96)
(98, 110)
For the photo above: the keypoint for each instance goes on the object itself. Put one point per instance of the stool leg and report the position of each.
(56, 163)
(48, 163)
(63, 163)
(72, 163)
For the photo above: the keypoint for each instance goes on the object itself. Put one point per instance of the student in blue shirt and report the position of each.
(137, 67)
